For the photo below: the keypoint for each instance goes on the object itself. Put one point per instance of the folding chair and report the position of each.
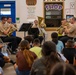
(5, 49)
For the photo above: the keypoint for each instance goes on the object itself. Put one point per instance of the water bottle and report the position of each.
(4, 50)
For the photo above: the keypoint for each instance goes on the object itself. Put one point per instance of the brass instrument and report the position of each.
(40, 19)
(41, 25)
(14, 28)
(61, 28)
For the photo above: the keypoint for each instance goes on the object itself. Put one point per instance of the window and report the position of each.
(53, 13)
(5, 11)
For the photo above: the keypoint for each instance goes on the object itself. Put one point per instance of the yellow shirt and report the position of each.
(37, 51)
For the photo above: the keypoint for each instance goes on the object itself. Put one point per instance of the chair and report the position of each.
(5, 49)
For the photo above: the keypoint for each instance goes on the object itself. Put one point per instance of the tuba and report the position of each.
(14, 28)
(41, 25)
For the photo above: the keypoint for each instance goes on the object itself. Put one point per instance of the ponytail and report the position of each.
(50, 61)
(28, 57)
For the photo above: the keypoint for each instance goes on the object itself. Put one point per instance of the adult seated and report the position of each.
(42, 32)
(70, 31)
(60, 30)
(5, 29)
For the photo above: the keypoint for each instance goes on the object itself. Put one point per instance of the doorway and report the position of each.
(7, 8)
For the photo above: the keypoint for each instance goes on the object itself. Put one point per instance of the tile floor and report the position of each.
(8, 68)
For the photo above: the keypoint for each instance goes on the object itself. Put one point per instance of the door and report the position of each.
(7, 8)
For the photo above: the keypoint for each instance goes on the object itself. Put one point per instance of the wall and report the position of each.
(69, 7)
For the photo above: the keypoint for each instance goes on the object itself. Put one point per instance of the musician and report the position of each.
(4, 30)
(61, 30)
(9, 22)
(71, 31)
(40, 36)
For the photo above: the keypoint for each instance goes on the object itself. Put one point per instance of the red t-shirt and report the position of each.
(21, 62)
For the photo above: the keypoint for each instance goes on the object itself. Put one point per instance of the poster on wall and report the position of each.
(31, 2)
(72, 5)
(31, 13)
(31, 8)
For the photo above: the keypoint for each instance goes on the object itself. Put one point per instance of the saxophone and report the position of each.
(14, 28)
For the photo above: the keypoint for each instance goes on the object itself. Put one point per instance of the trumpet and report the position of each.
(12, 30)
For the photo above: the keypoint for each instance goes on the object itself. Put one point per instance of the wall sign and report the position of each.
(53, 7)
(31, 2)
(53, 13)
(72, 5)
(31, 12)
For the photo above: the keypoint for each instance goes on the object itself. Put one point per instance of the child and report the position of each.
(69, 52)
(36, 47)
(24, 59)
(59, 44)
(4, 59)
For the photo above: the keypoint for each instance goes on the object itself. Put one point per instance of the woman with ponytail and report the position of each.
(24, 59)
(49, 58)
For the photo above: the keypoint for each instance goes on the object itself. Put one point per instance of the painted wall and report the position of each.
(69, 7)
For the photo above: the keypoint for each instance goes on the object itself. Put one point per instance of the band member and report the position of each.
(42, 32)
(71, 31)
(9, 21)
(4, 31)
(60, 30)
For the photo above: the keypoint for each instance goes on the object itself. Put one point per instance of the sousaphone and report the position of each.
(40, 19)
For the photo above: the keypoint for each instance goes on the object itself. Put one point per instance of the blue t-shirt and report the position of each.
(59, 46)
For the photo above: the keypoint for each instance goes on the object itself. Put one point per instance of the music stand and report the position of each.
(33, 31)
(25, 27)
